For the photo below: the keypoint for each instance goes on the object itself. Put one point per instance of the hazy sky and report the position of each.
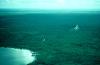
(51, 4)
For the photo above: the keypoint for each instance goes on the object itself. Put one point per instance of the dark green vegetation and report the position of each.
(62, 44)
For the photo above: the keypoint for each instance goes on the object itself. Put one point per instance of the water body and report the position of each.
(13, 56)
(60, 39)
